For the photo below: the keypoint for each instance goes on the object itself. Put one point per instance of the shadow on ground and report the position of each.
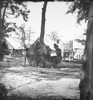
(34, 83)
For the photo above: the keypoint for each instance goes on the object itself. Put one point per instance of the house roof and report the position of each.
(14, 43)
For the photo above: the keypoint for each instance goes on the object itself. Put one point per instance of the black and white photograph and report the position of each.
(46, 50)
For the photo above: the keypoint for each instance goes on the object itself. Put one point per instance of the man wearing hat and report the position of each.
(58, 58)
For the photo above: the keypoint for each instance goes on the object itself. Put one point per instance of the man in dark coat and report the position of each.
(58, 58)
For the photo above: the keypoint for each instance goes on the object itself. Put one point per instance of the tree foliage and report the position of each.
(13, 10)
(53, 36)
(82, 41)
(81, 7)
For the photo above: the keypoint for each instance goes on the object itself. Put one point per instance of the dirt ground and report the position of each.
(36, 83)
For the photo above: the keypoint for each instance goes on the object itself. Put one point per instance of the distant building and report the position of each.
(73, 49)
(78, 53)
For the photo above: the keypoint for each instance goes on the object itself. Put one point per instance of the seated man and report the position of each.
(58, 58)
(53, 55)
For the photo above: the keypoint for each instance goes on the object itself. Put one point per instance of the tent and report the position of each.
(14, 45)
(34, 45)
(34, 51)
(78, 54)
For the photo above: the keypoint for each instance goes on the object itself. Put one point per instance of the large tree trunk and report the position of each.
(43, 23)
(86, 84)
(1, 31)
(3, 16)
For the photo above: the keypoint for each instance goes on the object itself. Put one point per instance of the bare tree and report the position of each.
(54, 36)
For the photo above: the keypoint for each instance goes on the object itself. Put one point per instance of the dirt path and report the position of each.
(38, 82)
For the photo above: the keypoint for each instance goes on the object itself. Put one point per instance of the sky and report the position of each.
(56, 20)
